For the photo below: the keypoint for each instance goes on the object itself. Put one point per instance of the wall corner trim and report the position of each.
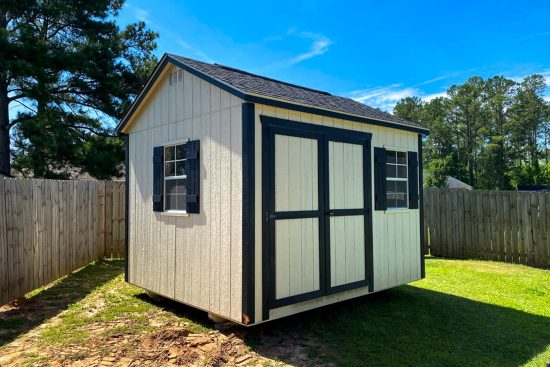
(248, 250)
(421, 209)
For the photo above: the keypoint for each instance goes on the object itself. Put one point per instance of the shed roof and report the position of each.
(256, 88)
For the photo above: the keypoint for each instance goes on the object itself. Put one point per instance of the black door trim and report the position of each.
(323, 134)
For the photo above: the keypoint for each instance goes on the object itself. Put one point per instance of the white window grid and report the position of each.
(175, 176)
(400, 179)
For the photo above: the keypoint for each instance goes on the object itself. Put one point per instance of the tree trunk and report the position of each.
(4, 129)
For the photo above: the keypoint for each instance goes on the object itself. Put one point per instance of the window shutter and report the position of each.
(413, 180)
(158, 179)
(193, 176)
(380, 179)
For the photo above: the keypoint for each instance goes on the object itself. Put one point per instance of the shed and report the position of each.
(254, 199)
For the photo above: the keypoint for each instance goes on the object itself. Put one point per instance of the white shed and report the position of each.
(254, 199)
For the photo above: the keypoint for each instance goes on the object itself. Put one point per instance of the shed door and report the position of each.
(317, 195)
(348, 210)
(295, 216)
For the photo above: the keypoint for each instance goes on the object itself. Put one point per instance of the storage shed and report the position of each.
(254, 199)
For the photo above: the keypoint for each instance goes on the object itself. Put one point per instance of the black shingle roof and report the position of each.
(249, 83)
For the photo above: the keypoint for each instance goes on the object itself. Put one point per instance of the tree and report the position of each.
(529, 117)
(72, 72)
(499, 97)
(467, 118)
(410, 108)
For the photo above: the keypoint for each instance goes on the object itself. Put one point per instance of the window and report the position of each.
(175, 177)
(396, 179)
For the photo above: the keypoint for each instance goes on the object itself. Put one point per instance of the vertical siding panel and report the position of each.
(349, 250)
(196, 242)
(180, 97)
(295, 257)
(206, 169)
(282, 258)
(188, 239)
(236, 268)
(225, 162)
(282, 202)
(308, 257)
(132, 246)
(187, 95)
(401, 243)
(391, 260)
(215, 216)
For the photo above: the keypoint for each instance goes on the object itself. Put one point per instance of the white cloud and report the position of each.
(519, 78)
(429, 97)
(320, 45)
(385, 98)
(142, 15)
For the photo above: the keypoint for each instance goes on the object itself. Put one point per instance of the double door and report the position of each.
(317, 211)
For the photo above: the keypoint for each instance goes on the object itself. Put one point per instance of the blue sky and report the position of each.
(376, 52)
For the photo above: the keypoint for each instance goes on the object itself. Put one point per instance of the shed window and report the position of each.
(396, 179)
(175, 177)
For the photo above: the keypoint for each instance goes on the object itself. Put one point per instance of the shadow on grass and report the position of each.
(409, 326)
(195, 315)
(55, 299)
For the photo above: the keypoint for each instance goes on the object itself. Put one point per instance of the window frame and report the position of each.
(398, 179)
(182, 212)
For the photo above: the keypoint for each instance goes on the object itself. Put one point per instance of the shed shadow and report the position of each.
(22, 316)
(406, 326)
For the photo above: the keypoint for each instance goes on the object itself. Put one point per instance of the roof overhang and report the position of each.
(160, 70)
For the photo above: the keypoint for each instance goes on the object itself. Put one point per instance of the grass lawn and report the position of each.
(465, 313)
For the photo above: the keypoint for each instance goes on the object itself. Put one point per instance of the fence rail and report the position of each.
(49, 228)
(508, 226)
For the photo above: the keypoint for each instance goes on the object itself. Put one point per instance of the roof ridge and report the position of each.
(271, 79)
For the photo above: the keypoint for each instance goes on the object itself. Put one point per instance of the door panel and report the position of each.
(348, 213)
(296, 174)
(295, 216)
(347, 249)
(345, 175)
(296, 256)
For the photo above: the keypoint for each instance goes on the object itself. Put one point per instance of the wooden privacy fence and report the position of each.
(508, 226)
(49, 228)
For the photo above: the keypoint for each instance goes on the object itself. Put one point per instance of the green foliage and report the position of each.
(437, 172)
(491, 134)
(72, 72)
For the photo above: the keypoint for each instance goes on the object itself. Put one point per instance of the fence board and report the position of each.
(492, 225)
(49, 228)
(4, 297)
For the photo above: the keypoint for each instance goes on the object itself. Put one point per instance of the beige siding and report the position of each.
(396, 238)
(194, 259)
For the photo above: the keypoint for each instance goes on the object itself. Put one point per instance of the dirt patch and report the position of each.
(81, 321)
(173, 346)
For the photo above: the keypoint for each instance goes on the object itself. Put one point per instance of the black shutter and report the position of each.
(158, 179)
(380, 179)
(413, 180)
(193, 176)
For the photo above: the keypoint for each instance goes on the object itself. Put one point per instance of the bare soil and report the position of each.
(58, 327)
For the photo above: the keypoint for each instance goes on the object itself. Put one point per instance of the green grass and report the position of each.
(465, 313)
(95, 294)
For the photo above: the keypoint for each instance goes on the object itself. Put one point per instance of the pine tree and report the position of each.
(72, 72)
